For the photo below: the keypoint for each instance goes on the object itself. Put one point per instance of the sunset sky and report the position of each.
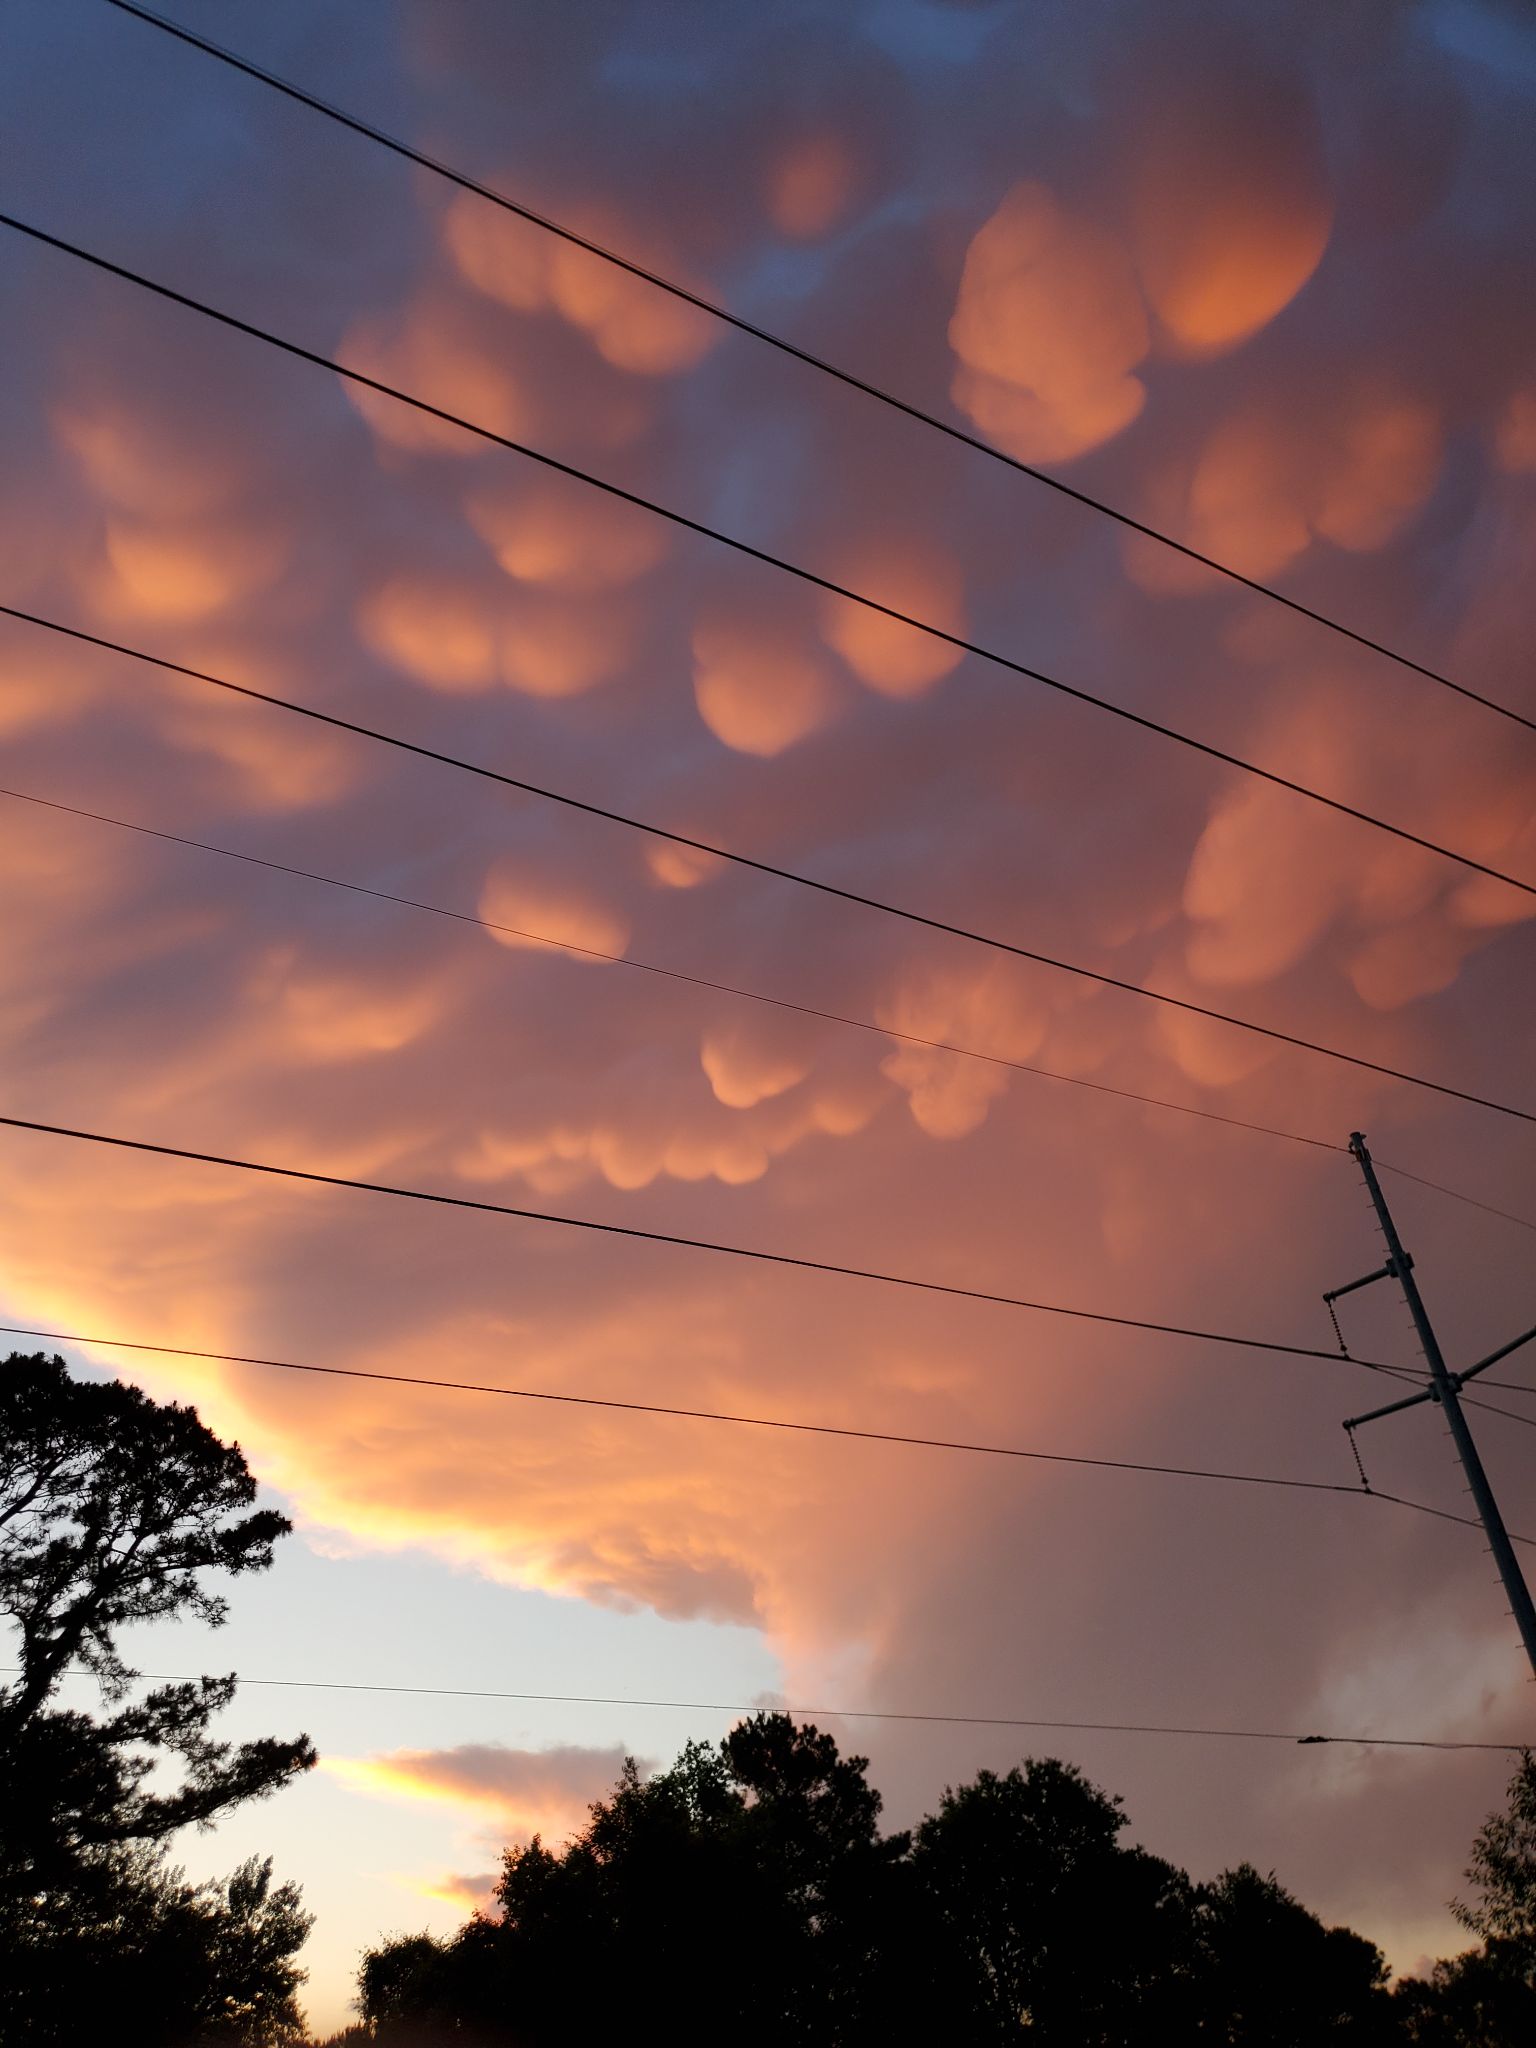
(1260, 275)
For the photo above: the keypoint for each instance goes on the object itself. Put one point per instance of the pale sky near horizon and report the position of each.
(1260, 275)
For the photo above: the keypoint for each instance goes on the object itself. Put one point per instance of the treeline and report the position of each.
(747, 1895)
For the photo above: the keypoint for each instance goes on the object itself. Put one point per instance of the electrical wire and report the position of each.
(765, 556)
(676, 974)
(1445, 1515)
(777, 1002)
(727, 988)
(873, 1436)
(581, 1699)
(1493, 1408)
(953, 1289)
(803, 355)
(1413, 1379)
(1365, 1491)
(1440, 1188)
(1467, 1400)
(419, 750)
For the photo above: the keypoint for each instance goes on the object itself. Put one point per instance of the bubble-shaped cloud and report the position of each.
(1048, 326)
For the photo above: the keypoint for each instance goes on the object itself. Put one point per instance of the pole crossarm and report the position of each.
(1445, 1388)
(1386, 1272)
(1392, 1407)
(1493, 1357)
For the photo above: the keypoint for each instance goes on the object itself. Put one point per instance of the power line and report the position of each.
(1365, 1491)
(1440, 1188)
(470, 1202)
(579, 1699)
(749, 861)
(1413, 1379)
(733, 1251)
(762, 555)
(1443, 1514)
(676, 974)
(803, 355)
(874, 1436)
(727, 988)
(777, 1002)
(1493, 1408)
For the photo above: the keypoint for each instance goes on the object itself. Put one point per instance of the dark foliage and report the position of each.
(744, 1895)
(115, 1509)
(1020, 1875)
(1271, 1974)
(747, 1895)
(1503, 1870)
(1487, 1997)
(148, 1961)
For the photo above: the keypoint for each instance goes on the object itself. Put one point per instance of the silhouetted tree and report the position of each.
(1271, 1975)
(746, 1895)
(403, 1985)
(1487, 1997)
(1045, 1927)
(743, 1895)
(1478, 2000)
(116, 1509)
(153, 1959)
(1503, 1868)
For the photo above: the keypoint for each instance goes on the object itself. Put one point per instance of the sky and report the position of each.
(1261, 276)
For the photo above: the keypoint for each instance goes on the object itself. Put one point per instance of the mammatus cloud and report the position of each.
(758, 688)
(1228, 197)
(811, 184)
(1222, 314)
(1048, 327)
(629, 323)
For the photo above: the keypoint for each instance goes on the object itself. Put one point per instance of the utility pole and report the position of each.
(1445, 1387)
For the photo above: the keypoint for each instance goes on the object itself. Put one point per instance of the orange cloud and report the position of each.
(630, 323)
(262, 764)
(465, 1892)
(454, 635)
(157, 992)
(679, 867)
(522, 1792)
(557, 647)
(745, 1067)
(329, 1016)
(1265, 486)
(431, 350)
(1406, 963)
(151, 468)
(1048, 326)
(46, 684)
(517, 898)
(442, 634)
(182, 572)
(810, 185)
(1515, 435)
(911, 576)
(757, 688)
(986, 1010)
(1231, 211)
(559, 536)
